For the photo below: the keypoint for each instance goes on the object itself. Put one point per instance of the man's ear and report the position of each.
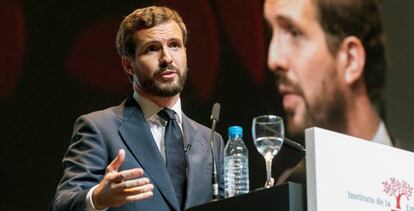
(127, 65)
(351, 57)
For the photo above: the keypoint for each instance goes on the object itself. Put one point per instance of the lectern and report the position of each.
(284, 197)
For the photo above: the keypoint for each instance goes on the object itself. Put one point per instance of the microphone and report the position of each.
(215, 113)
(187, 149)
(294, 145)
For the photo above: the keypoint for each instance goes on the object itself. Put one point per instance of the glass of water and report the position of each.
(268, 133)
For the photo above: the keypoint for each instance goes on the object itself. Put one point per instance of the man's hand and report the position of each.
(118, 188)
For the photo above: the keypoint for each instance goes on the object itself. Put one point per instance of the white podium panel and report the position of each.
(352, 174)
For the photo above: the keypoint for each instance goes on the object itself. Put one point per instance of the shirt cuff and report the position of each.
(89, 203)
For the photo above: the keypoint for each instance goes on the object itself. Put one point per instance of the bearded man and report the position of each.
(329, 59)
(144, 154)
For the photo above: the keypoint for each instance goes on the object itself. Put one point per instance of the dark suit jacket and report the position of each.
(96, 140)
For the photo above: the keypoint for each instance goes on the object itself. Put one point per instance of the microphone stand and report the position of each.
(214, 180)
(214, 175)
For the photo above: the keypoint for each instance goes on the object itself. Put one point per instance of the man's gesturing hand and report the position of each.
(118, 188)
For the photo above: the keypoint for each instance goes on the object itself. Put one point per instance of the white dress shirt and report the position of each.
(157, 126)
(382, 136)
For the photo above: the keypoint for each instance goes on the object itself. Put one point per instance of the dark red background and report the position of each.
(58, 61)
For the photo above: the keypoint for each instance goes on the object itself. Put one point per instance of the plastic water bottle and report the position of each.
(236, 164)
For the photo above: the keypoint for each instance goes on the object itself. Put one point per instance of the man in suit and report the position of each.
(329, 59)
(144, 154)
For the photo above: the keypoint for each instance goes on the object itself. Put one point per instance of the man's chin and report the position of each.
(167, 91)
(295, 130)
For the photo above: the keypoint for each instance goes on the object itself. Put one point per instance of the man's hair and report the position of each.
(360, 18)
(142, 19)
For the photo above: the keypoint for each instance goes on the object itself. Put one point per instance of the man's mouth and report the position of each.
(167, 74)
(290, 98)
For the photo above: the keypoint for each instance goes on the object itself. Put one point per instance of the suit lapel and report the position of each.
(198, 158)
(137, 136)
(191, 134)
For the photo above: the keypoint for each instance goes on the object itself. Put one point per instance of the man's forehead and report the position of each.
(292, 9)
(167, 30)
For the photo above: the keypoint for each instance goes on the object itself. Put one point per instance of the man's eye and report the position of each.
(151, 49)
(174, 45)
(294, 31)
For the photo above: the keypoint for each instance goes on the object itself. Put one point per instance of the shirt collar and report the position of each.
(149, 108)
(382, 136)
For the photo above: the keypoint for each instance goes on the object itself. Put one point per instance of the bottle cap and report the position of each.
(235, 131)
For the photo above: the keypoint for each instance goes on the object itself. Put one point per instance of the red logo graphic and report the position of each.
(393, 187)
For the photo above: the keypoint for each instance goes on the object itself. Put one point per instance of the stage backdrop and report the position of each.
(58, 61)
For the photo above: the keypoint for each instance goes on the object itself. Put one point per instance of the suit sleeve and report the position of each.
(84, 166)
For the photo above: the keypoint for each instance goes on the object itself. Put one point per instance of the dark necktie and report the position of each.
(175, 156)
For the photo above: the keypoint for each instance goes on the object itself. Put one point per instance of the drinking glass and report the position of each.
(268, 133)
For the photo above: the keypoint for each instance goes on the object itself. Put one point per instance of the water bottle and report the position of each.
(236, 164)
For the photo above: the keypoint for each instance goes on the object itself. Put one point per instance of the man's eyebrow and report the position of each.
(280, 18)
(175, 39)
(284, 19)
(148, 42)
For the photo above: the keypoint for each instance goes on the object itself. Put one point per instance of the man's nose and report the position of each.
(277, 58)
(165, 58)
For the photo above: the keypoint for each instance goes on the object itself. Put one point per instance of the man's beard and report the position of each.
(151, 86)
(326, 113)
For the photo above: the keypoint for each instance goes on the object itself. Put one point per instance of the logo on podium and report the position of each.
(393, 187)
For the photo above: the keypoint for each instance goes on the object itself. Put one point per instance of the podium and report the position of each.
(346, 173)
(284, 197)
